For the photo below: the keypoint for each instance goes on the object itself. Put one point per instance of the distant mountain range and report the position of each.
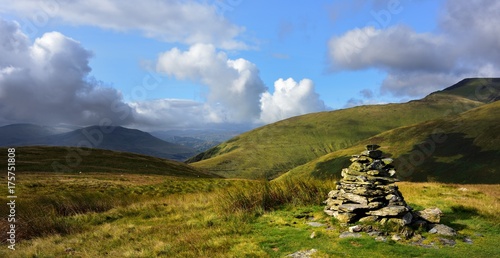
(110, 138)
(200, 140)
(317, 145)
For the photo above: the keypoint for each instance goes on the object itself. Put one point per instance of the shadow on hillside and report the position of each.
(330, 169)
(449, 158)
(459, 212)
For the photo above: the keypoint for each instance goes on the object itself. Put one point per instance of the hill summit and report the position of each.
(485, 90)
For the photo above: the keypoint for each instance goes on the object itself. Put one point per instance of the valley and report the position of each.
(260, 193)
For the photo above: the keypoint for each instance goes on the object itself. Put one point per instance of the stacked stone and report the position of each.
(367, 192)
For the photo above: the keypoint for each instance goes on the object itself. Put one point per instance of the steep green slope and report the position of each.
(479, 89)
(75, 160)
(269, 151)
(463, 148)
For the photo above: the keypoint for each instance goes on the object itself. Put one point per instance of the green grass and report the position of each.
(458, 149)
(203, 221)
(269, 151)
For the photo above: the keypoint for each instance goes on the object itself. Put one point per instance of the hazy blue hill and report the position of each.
(117, 138)
(22, 134)
(463, 148)
(122, 139)
(200, 140)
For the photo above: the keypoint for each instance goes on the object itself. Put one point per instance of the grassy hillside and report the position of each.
(269, 151)
(479, 89)
(460, 149)
(75, 160)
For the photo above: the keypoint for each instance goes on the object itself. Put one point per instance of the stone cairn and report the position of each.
(367, 191)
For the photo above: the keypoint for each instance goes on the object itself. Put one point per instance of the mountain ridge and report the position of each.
(115, 138)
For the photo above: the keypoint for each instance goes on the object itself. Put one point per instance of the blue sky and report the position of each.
(187, 64)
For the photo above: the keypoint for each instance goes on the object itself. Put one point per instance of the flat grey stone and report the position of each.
(351, 207)
(316, 224)
(432, 215)
(468, 240)
(356, 228)
(349, 235)
(441, 229)
(389, 211)
(447, 242)
(303, 254)
(355, 198)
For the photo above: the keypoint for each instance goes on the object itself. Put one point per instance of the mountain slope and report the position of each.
(271, 150)
(73, 160)
(458, 149)
(110, 138)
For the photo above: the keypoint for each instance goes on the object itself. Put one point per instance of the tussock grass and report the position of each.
(48, 215)
(262, 196)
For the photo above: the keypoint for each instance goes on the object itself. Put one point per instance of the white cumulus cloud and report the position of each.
(290, 98)
(233, 84)
(236, 92)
